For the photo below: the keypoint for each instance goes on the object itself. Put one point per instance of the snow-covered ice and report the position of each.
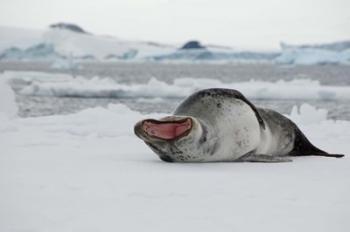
(63, 85)
(8, 107)
(88, 172)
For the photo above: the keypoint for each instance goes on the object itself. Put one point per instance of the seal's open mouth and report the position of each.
(167, 130)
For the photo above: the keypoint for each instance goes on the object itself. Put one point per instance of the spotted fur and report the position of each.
(228, 127)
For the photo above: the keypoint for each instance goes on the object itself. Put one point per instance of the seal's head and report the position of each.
(172, 138)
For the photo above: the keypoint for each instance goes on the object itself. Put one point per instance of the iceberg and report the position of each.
(69, 40)
(40, 51)
(308, 56)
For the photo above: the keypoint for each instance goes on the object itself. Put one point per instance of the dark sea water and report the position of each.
(129, 73)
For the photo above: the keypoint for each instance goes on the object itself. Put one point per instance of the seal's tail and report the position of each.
(303, 147)
(328, 155)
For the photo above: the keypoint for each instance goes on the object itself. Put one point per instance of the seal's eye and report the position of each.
(167, 130)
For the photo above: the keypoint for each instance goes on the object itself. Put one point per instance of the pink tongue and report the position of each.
(166, 130)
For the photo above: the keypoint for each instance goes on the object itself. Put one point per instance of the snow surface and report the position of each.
(62, 85)
(88, 172)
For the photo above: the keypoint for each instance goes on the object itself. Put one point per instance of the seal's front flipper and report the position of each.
(264, 158)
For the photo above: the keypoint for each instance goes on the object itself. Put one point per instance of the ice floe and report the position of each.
(62, 85)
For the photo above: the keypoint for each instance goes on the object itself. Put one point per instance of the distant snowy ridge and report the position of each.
(69, 41)
(217, 55)
(62, 43)
(19, 38)
(63, 85)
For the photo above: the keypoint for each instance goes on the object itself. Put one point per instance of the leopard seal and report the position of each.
(217, 124)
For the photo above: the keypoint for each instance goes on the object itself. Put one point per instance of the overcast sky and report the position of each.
(237, 23)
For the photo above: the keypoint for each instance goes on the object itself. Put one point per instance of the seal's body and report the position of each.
(222, 125)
